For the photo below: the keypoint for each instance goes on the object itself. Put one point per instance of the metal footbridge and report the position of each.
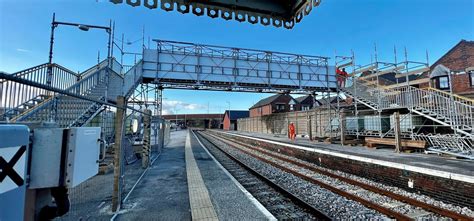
(78, 97)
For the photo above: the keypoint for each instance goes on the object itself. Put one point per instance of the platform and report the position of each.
(185, 183)
(417, 162)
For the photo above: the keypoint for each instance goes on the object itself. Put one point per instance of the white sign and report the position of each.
(12, 168)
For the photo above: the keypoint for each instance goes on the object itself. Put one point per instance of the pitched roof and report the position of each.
(302, 98)
(267, 100)
(237, 114)
(471, 43)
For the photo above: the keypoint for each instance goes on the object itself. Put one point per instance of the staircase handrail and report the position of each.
(457, 97)
(80, 87)
(133, 76)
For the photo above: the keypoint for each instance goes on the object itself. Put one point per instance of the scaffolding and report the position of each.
(441, 119)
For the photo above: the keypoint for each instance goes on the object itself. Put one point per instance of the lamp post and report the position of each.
(82, 27)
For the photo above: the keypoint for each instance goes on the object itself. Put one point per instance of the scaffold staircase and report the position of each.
(444, 108)
(447, 109)
(102, 82)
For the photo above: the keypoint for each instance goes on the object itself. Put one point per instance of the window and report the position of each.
(280, 107)
(471, 74)
(443, 82)
(292, 107)
(305, 107)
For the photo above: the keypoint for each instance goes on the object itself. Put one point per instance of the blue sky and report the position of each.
(335, 26)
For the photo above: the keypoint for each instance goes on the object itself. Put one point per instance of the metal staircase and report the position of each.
(441, 107)
(102, 82)
(447, 109)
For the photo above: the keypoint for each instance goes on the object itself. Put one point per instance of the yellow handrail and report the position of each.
(454, 95)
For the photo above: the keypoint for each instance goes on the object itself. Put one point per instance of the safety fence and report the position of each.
(323, 123)
(316, 123)
(120, 164)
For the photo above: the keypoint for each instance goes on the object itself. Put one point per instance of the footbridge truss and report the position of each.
(74, 99)
(181, 65)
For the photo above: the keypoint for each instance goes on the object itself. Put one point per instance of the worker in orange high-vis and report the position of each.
(291, 131)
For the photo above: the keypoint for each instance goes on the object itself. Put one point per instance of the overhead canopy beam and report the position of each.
(278, 13)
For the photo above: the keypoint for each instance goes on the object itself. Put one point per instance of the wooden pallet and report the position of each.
(372, 142)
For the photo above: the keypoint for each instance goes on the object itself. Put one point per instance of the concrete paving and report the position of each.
(163, 194)
(229, 201)
(431, 161)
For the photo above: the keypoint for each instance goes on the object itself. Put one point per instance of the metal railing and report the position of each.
(445, 108)
(16, 98)
(131, 78)
(67, 110)
(449, 143)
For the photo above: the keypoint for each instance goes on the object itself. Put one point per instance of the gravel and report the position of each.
(412, 211)
(336, 206)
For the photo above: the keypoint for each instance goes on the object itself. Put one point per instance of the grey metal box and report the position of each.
(46, 152)
(376, 123)
(64, 156)
(83, 154)
(408, 122)
(354, 123)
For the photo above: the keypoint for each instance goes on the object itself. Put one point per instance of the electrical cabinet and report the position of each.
(64, 157)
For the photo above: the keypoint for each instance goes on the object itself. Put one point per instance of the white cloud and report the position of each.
(172, 106)
(23, 50)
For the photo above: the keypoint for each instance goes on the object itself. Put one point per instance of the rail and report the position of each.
(372, 188)
(311, 179)
(294, 198)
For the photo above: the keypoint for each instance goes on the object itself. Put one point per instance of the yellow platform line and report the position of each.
(199, 200)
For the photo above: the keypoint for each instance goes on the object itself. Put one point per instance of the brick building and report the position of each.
(306, 102)
(230, 118)
(195, 120)
(274, 104)
(459, 61)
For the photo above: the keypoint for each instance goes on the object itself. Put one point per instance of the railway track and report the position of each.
(280, 202)
(345, 185)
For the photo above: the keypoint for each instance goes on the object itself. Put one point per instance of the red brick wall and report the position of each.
(261, 111)
(462, 84)
(254, 112)
(458, 59)
(266, 110)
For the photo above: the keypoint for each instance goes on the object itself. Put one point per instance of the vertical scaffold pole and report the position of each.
(146, 139)
(398, 140)
(342, 117)
(119, 126)
(354, 82)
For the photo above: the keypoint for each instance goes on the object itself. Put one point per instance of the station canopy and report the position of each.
(279, 13)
